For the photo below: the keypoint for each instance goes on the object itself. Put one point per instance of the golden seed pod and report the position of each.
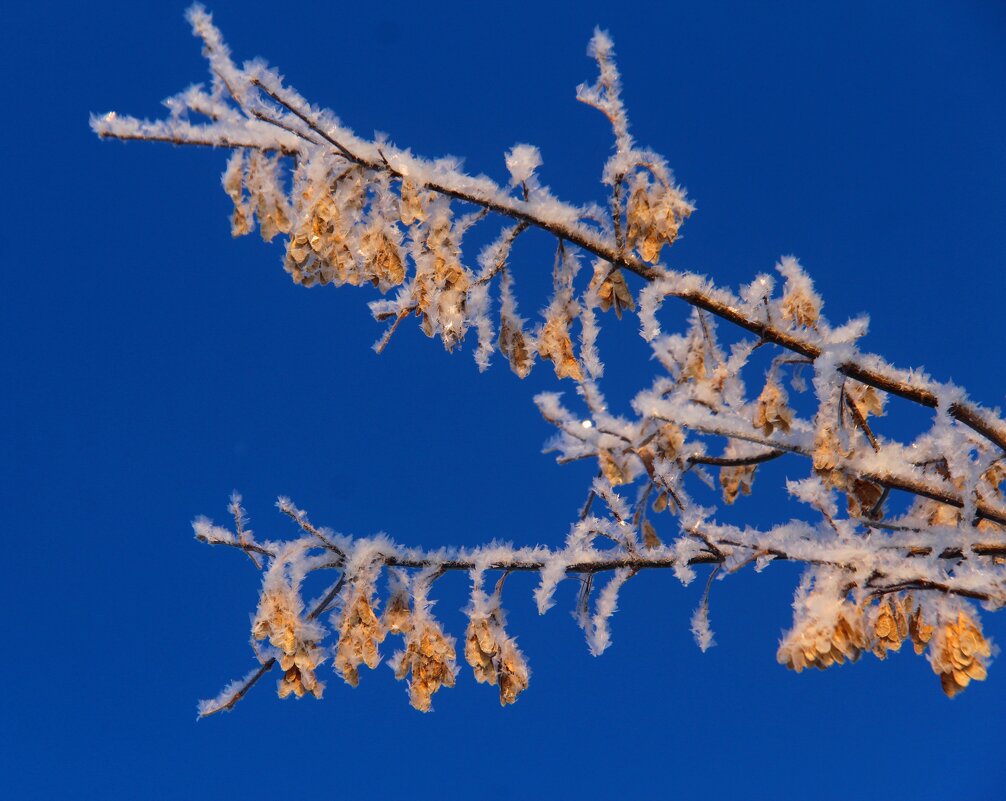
(480, 650)
(650, 538)
(961, 653)
(277, 620)
(918, 630)
(669, 441)
(822, 644)
(430, 658)
(736, 480)
(513, 345)
(444, 279)
(862, 497)
(654, 219)
(382, 258)
(495, 658)
(359, 634)
(771, 411)
(800, 308)
(612, 470)
(411, 208)
(890, 627)
(397, 614)
(555, 345)
(640, 223)
(513, 673)
(867, 399)
(612, 291)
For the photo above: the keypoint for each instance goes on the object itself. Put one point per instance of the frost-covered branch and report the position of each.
(902, 535)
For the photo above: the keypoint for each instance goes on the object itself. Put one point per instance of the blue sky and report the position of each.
(152, 365)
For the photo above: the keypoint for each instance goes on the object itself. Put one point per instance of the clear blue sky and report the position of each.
(151, 365)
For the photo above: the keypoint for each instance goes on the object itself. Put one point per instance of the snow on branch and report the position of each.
(902, 539)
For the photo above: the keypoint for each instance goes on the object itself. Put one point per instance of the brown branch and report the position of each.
(736, 461)
(860, 419)
(199, 142)
(982, 511)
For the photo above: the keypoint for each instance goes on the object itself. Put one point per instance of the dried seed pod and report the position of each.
(612, 291)
(359, 634)
(555, 345)
(640, 223)
(669, 441)
(397, 614)
(828, 454)
(430, 658)
(268, 200)
(481, 649)
(318, 251)
(233, 181)
(960, 653)
(384, 263)
(612, 470)
(412, 207)
(801, 305)
(441, 284)
(920, 632)
(495, 658)
(670, 211)
(823, 643)
(654, 218)
(650, 538)
(513, 673)
(279, 620)
(735, 480)
(868, 400)
(995, 476)
(513, 345)
(862, 497)
(771, 411)
(890, 627)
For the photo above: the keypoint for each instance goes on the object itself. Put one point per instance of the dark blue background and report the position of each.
(151, 364)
